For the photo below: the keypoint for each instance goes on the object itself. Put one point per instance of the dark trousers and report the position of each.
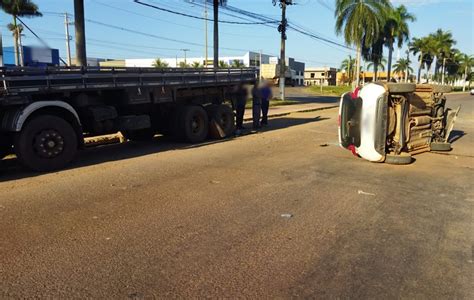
(265, 106)
(240, 110)
(256, 115)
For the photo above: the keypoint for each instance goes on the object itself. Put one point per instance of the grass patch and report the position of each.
(274, 102)
(329, 90)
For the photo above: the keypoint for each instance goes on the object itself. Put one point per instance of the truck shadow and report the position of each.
(10, 169)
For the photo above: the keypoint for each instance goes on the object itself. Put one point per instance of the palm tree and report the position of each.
(348, 66)
(223, 64)
(466, 62)
(237, 64)
(403, 65)
(375, 66)
(425, 47)
(444, 42)
(374, 54)
(196, 65)
(396, 29)
(160, 64)
(18, 8)
(182, 64)
(358, 18)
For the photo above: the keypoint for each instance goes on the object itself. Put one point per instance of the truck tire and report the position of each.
(440, 146)
(401, 87)
(46, 143)
(223, 116)
(193, 124)
(6, 147)
(139, 135)
(401, 159)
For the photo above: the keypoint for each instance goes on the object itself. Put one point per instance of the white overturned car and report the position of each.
(390, 122)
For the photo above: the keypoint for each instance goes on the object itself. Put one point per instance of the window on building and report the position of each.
(312, 75)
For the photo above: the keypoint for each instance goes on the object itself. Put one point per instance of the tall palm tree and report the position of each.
(348, 66)
(403, 65)
(376, 65)
(396, 30)
(374, 54)
(358, 18)
(18, 8)
(444, 42)
(424, 47)
(466, 62)
(160, 64)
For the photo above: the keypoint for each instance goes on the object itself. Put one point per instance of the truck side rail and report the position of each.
(28, 80)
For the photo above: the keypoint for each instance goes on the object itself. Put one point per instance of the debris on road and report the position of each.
(287, 216)
(361, 192)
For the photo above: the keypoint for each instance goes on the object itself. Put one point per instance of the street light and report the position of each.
(185, 50)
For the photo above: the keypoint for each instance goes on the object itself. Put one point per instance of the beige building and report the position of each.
(317, 76)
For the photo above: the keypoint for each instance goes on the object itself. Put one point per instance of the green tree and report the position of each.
(196, 65)
(223, 64)
(443, 41)
(374, 54)
(396, 30)
(18, 8)
(182, 64)
(160, 64)
(425, 47)
(466, 62)
(356, 19)
(403, 65)
(237, 64)
(348, 65)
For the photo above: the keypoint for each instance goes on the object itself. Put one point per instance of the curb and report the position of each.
(295, 111)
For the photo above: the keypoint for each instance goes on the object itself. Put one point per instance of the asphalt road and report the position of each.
(283, 213)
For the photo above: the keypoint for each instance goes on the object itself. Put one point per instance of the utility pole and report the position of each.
(1, 49)
(216, 34)
(81, 57)
(205, 26)
(185, 50)
(260, 66)
(68, 39)
(282, 29)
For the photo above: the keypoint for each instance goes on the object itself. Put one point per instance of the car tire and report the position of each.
(193, 124)
(139, 135)
(401, 87)
(440, 146)
(401, 159)
(46, 143)
(223, 117)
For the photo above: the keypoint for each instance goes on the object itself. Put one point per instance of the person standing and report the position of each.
(256, 106)
(266, 94)
(241, 95)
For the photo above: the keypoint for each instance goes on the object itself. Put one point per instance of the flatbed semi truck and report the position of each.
(45, 113)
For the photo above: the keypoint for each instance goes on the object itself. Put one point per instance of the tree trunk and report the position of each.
(419, 67)
(389, 67)
(216, 34)
(443, 70)
(358, 65)
(465, 77)
(376, 69)
(15, 41)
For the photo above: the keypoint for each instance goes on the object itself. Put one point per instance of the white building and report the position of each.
(249, 59)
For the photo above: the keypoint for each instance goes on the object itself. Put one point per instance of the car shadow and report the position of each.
(10, 169)
(456, 135)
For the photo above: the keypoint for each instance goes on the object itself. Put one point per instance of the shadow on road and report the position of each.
(456, 135)
(10, 169)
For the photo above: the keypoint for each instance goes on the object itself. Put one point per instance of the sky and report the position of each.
(162, 34)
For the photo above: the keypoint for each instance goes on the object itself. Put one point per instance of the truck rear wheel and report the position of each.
(193, 124)
(223, 117)
(139, 135)
(6, 146)
(46, 143)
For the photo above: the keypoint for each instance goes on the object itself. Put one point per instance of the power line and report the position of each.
(196, 17)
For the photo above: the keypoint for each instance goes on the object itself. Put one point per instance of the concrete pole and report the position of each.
(79, 24)
(216, 34)
(205, 27)
(282, 50)
(68, 39)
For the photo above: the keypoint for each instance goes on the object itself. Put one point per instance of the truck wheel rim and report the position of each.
(48, 143)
